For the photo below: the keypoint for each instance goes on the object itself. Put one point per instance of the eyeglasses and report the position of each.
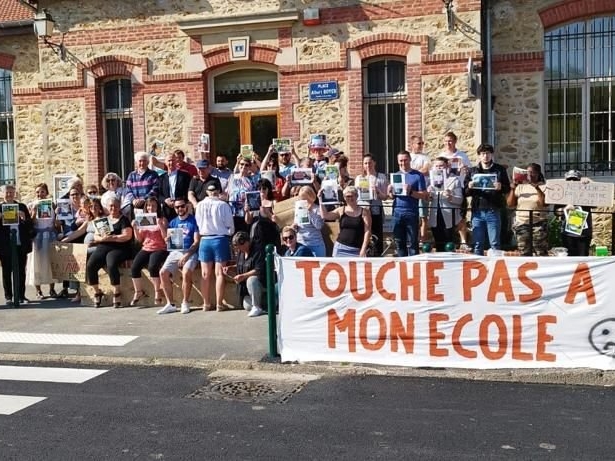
(288, 238)
(177, 207)
(111, 180)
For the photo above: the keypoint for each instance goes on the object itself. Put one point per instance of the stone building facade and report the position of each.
(158, 69)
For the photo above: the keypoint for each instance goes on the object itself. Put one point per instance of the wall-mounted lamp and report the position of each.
(43, 28)
(450, 14)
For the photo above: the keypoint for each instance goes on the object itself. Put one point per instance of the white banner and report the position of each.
(447, 310)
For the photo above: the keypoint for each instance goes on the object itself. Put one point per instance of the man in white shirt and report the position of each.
(460, 167)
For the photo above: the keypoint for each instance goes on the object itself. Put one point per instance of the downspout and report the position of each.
(488, 73)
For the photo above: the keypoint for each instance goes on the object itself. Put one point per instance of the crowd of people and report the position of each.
(170, 215)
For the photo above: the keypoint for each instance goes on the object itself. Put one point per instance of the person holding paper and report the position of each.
(238, 185)
(421, 162)
(577, 244)
(309, 232)
(39, 264)
(110, 252)
(487, 204)
(184, 259)
(152, 254)
(406, 206)
(372, 187)
(25, 232)
(444, 203)
(262, 222)
(531, 226)
(459, 165)
(270, 169)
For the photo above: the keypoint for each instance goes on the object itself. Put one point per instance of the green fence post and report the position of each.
(271, 304)
(15, 268)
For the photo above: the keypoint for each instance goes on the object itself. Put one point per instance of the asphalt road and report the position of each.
(154, 413)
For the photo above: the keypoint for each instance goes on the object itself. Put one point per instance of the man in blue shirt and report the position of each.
(406, 206)
(184, 258)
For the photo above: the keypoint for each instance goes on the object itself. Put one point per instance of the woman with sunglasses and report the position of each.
(238, 184)
(355, 225)
(294, 248)
(152, 254)
(112, 184)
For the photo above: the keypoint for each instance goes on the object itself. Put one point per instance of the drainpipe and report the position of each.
(488, 114)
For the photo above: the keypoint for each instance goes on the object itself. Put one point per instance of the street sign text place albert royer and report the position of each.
(323, 91)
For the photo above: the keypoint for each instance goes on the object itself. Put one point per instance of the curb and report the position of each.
(553, 376)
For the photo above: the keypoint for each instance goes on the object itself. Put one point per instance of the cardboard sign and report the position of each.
(593, 193)
(68, 261)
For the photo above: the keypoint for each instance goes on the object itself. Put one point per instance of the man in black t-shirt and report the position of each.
(197, 190)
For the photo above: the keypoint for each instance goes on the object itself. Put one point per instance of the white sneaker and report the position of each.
(168, 309)
(255, 312)
(185, 308)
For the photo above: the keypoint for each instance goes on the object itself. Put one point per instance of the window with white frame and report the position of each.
(7, 144)
(384, 105)
(116, 100)
(579, 79)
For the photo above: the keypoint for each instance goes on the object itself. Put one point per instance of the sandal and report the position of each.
(158, 298)
(63, 293)
(39, 294)
(98, 296)
(117, 300)
(138, 296)
(52, 293)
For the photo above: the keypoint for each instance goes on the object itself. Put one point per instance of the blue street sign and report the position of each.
(323, 91)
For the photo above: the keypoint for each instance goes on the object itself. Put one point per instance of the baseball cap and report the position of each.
(335, 152)
(203, 163)
(572, 175)
(212, 186)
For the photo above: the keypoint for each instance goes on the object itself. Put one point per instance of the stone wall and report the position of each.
(26, 67)
(167, 117)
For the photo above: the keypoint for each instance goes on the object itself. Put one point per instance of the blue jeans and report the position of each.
(486, 223)
(405, 232)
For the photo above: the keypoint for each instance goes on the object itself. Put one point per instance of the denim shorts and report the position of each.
(215, 249)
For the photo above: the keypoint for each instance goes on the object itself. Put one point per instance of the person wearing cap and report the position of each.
(173, 184)
(577, 245)
(487, 204)
(197, 190)
(214, 218)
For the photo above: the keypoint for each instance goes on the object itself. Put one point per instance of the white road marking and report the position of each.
(10, 404)
(68, 340)
(48, 375)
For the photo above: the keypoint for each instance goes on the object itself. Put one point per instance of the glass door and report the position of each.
(232, 130)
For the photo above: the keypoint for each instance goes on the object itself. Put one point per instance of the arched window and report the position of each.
(384, 104)
(579, 79)
(116, 100)
(7, 137)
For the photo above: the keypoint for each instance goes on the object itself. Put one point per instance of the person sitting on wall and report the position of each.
(112, 185)
(141, 183)
(174, 184)
(184, 258)
(197, 190)
(250, 275)
(293, 247)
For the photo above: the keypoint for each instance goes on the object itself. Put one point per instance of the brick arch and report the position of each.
(260, 53)
(387, 43)
(6, 61)
(114, 65)
(571, 10)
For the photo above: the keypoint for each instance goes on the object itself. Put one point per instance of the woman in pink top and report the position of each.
(150, 229)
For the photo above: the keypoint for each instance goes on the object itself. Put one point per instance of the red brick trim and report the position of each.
(85, 37)
(26, 96)
(166, 78)
(519, 62)
(450, 63)
(285, 37)
(388, 43)
(219, 56)
(6, 61)
(570, 10)
(114, 65)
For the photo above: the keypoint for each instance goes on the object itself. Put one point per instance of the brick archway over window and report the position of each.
(570, 10)
(219, 56)
(107, 66)
(387, 43)
(6, 61)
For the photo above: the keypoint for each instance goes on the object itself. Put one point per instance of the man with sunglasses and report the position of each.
(294, 248)
(487, 203)
(184, 258)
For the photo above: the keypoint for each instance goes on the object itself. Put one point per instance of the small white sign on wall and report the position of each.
(239, 48)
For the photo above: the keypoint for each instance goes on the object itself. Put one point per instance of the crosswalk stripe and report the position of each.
(62, 339)
(10, 404)
(47, 374)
